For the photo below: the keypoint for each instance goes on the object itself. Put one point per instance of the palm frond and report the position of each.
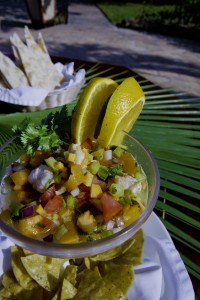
(169, 126)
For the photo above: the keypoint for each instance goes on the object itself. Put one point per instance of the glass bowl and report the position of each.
(148, 163)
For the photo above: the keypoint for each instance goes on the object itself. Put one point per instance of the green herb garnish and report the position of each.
(15, 209)
(53, 131)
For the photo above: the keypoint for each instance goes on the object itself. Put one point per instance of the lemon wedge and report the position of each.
(89, 107)
(123, 109)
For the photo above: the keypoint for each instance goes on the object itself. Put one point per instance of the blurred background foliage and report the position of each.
(154, 15)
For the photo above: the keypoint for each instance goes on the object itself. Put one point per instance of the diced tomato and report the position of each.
(55, 204)
(110, 206)
(49, 194)
(84, 188)
(87, 144)
(44, 226)
(83, 196)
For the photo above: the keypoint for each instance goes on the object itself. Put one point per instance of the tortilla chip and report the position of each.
(37, 65)
(33, 46)
(133, 256)
(11, 74)
(19, 271)
(44, 270)
(12, 286)
(70, 274)
(68, 290)
(56, 295)
(113, 253)
(5, 294)
(121, 276)
(41, 43)
(90, 264)
(94, 285)
(17, 57)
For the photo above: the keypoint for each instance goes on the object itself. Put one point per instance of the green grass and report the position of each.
(181, 19)
(117, 12)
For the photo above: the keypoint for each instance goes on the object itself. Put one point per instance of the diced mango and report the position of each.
(95, 191)
(71, 157)
(20, 178)
(130, 214)
(71, 235)
(35, 226)
(40, 210)
(76, 178)
(87, 158)
(38, 157)
(88, 179)
(129, 163)
(72, 183)
(77, 171)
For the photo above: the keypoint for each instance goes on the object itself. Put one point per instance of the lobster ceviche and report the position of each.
(72, 193)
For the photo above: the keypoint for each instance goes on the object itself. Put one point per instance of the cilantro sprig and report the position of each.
(53, 131)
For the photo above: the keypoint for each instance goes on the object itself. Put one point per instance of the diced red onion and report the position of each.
(27, 211)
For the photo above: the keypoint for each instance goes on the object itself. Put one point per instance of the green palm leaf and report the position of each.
(169, 126)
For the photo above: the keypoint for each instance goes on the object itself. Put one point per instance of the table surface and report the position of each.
(165, 113)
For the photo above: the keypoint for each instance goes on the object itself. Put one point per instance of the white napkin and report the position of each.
(23, 95)
(29, 96)
(162, 276)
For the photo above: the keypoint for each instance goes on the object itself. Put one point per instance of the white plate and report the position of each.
(162, 276)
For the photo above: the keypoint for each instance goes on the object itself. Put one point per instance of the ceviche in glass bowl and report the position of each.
(79, 200)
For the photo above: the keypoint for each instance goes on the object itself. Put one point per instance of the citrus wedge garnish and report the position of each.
(123, 109)
(89, 107)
